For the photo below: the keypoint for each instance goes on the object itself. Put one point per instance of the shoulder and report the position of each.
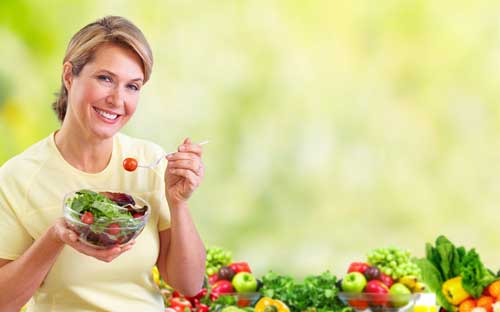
(17, 173)
(25, 163)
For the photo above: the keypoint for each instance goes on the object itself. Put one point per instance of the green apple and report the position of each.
(354, 282)
(244, 282)
(400, 295)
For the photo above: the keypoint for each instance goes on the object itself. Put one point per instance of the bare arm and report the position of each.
(20, 278)
(182, 254)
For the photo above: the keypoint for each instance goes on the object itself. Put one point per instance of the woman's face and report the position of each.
(103, 97)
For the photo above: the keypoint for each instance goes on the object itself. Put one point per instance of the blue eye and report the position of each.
(104, 78)
(133, 87)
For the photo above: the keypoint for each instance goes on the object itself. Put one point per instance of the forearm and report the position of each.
(20, 278)
(185, 258)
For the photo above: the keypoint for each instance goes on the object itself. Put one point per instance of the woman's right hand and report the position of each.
(64, 234)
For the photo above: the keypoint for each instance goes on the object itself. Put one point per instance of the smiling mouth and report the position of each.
(106, 115)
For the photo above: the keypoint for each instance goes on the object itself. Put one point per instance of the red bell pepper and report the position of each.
(358, 267)
(240, 267)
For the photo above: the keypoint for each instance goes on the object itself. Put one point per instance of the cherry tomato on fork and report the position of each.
(130, 164)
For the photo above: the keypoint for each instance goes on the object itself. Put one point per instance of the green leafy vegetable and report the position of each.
(104, 210)
(475, 277)
(316, 292)
(445, 261)
(433, 278)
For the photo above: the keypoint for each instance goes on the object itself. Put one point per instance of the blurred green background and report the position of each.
(336, 126)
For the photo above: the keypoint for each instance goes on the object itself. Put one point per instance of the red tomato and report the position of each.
(213, 278)
(113, 229)
(87, 217)
(137, 215)
(358, 304)
(243, 303)
(130, 164)
(180, 304)
(486, 303)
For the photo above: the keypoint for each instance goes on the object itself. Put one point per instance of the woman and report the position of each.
(105, 66)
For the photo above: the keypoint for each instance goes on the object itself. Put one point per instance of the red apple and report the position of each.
(379, 291)
(386, 279)
(376, 287)
(221, 287)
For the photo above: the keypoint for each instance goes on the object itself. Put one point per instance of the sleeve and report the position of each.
(164, 212)
(15, 238)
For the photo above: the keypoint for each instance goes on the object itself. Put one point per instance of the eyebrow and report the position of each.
(114, 75)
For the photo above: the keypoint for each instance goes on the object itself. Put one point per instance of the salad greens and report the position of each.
(104, 210)
(316, 291)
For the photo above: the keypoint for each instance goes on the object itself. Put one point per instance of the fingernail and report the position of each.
(72, 237)
(182, 148)
(170, 170)
(169, 156)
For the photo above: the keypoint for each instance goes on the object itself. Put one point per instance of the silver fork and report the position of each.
(157, 162)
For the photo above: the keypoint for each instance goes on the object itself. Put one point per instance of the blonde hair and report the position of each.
(82, 47)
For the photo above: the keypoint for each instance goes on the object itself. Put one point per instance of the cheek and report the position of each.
(88, 93)
(93, 93)
(131, 104)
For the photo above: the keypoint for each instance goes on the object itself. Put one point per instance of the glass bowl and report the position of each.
(379, 302)
(121, 217)
(243, 299)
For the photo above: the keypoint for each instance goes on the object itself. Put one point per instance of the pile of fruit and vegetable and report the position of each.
(389, 279)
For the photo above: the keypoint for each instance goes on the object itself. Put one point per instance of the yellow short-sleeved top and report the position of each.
(32, 187)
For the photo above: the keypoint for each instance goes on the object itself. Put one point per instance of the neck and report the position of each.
(84, 152)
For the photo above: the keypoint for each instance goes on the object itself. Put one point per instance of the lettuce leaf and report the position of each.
(475, 277)
(432, 276)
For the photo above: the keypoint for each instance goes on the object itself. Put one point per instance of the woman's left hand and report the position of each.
(184, 173)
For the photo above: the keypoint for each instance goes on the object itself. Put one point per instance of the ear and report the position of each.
(67, 75)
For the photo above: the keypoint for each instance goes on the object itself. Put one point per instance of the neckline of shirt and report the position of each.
(112, 162)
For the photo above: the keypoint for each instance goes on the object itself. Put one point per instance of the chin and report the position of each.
(104, 133)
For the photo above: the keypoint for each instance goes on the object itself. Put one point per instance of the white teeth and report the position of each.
(106, 115)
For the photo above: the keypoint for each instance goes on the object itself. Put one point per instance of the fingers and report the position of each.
(106, 255)
(188, 147)
(192, 179)
(64, 233)
(71, 238)
(180, 155)
(191, 164)
(188, 158)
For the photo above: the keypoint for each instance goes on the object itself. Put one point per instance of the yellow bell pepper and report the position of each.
(454, 292)
(266, 304)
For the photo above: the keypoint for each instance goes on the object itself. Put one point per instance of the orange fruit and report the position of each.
(467, 305)
(494, 289)
(486, 303)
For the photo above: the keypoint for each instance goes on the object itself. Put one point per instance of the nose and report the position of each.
(115, 98)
